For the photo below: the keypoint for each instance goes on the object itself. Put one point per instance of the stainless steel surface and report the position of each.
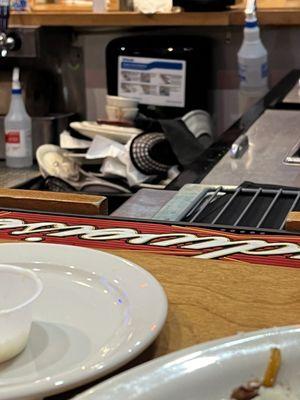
(7, 43)
(270, 139)
(144, 204)
(16, 177)
(44, 130)
(294, 95)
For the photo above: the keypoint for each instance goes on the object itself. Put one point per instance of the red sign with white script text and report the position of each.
(191, 241)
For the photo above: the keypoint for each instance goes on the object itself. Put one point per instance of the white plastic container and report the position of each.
(252, 61)
(18, 129)
(19, 288)
(118, 101)
(99, 6)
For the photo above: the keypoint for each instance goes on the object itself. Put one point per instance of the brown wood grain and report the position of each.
(58, 7)
(293, 221)
(214, 299)
(52, 201)
(77, 18)
(270, 12)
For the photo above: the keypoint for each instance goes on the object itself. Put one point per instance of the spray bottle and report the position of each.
(252, 61)
(17, 123)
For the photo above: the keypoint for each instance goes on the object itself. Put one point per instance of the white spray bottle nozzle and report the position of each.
(16, 85)
(250, 7)
(250, 10)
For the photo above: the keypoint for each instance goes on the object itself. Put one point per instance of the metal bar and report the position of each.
(269, 208)
(258, 191)
(291, 209)
(270, 191)
(203, 208)
(227, 205)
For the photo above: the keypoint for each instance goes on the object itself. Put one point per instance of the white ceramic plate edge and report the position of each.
(22, 391)
(135, 383)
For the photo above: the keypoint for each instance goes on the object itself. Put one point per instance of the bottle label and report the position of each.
(18, 143)
(253, 75)
(264, 70)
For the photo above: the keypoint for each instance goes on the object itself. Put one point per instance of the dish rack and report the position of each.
(260, 208)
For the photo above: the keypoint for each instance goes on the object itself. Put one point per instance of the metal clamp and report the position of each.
(239, 147)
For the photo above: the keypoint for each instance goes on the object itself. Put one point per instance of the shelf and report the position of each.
(79, 18)
(270, 12)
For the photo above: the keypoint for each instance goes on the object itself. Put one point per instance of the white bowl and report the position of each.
(19, 287)
(118, 101)
(121, 113)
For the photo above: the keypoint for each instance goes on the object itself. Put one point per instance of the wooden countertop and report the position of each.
(214, 299)
(270, 12)
(211, 299)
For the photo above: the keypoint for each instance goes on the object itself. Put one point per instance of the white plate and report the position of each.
(91, 129)
(96, 313)
(206, 372)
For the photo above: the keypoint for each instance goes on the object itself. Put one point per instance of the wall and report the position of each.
(282, 45)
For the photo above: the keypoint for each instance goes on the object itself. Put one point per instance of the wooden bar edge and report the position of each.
(293, 221)
(71, 203)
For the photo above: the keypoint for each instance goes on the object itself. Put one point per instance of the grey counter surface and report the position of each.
(294, 95)
(271, 138)
(16, 177)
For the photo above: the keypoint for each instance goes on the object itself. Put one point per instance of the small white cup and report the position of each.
(118, 101)
(121, 113)
(19, 288)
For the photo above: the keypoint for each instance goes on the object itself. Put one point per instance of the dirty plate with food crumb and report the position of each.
(268, 359)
